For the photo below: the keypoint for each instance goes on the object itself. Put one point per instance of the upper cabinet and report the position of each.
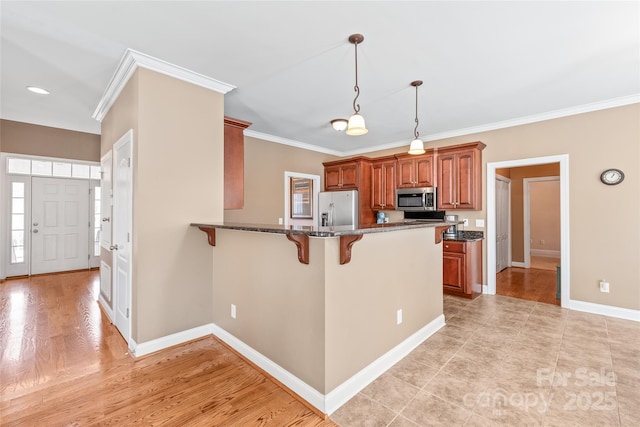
(234, 162)
(342, 175)
(352, 174)
(459, 177)
(383, 183)
(415, 171)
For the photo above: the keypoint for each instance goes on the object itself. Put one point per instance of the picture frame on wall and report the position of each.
(301, 198)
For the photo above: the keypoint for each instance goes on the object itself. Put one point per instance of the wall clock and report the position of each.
(612, 176)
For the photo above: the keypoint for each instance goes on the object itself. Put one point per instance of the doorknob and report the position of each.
(35, 230)
(107, 219)
(113, 247)
(35, 224)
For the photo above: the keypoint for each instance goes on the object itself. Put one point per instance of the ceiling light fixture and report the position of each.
(339, 124)
(417, 146)
(38, 90)
(356, 121)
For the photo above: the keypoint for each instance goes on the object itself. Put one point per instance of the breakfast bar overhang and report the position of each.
(325, 310)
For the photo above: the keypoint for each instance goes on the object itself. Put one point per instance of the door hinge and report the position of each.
(128, 161)
(101, 174)
(127, 313)
(128, 237)
(89, 256)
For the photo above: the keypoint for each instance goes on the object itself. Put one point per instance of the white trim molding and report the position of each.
(605, 310)
(133, 59)
(340, 395)
(148, 347)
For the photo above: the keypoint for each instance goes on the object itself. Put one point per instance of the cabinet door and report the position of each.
(406, 173)
(453, 272)
(233, 167)
(446, 182)
(383, 185)
(465, 163)
(332, 178)
(424, 171)
(349, 177)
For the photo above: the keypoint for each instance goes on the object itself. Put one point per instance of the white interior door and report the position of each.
(502, 223)
(59, 224)
(121, 232)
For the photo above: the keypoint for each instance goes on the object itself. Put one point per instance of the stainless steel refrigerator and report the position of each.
(336, 208)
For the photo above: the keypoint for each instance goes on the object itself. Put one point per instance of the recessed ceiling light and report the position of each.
(38, 90)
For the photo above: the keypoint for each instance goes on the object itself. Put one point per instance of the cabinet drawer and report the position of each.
(455, 247)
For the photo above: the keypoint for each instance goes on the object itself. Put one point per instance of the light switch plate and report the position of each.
(480, 223)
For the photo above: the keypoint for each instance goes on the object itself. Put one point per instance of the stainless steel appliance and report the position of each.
(416, 199)
(452, 231)
(337, 208)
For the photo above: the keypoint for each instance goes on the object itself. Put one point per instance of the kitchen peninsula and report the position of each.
(325, 310)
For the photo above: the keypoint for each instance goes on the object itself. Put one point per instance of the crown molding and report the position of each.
(292, 143)
(580, 109)
(130, 62)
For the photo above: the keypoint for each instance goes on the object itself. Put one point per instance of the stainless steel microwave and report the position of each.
(416, 199)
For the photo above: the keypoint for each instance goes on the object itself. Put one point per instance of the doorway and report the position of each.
(563, 161)
(59, 220)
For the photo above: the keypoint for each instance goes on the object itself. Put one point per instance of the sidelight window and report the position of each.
(17, 222)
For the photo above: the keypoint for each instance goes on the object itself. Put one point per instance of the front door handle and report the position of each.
(113, 247)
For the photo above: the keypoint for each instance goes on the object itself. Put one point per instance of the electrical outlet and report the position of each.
(542, 241)
(280, 221)
(233, 311)
(465, 222)
(399, 317)
(604, 286)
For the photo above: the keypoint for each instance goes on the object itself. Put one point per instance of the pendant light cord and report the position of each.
(356, 107)
(415, 131)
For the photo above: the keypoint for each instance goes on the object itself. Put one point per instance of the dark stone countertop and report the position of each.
(466, 236)
(320, 231)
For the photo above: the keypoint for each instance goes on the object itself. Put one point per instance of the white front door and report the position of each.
(59, 224)
(121, 232)
(502, 223)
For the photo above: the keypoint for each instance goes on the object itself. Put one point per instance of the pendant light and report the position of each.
(356, 124)
(417, 146)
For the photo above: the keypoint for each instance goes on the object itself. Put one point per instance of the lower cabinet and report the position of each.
(462, 268)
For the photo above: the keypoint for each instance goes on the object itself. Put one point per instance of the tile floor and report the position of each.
(506, 361)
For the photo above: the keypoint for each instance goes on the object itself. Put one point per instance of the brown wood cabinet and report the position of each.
(415, 171)
(459, 177)
(462, 268)
(383, 183)
(234, 162)
(352, 174)
(345, 176)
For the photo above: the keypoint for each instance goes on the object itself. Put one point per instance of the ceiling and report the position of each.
(485, 65)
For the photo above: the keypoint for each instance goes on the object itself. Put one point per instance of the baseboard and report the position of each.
(345, 391)
(340, 395)
(105, 307)
(545, 253)
(605, 310)
(295, 384)
(162, 343)
(518, 264)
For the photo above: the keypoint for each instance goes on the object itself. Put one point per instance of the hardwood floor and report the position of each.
(533, 284)
(63, 363)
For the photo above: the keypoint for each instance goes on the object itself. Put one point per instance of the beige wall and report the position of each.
(594, 141)
(178, 179)
(36, 140)
(323, 321)
(264, 166)
(517, 176)
(544, 197)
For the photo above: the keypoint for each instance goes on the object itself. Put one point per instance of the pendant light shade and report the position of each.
(356, 125)
(356, 122)
(417, 146)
